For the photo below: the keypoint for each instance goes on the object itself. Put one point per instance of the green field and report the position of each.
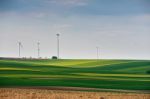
(107, 74)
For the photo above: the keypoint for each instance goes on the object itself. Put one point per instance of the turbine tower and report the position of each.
(97, 49)
(58, 45)
(38, 49)
(20, 46)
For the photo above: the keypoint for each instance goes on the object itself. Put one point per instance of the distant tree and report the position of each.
(40, 57)
(30, 57)
(54, 57)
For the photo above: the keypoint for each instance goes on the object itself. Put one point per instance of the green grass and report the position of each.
(108, 74)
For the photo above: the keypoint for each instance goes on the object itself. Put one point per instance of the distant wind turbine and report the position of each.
(38, 49)
(20, 46)
(58, 45)
(97, 52)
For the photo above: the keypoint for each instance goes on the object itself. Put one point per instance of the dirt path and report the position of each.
(41, 93)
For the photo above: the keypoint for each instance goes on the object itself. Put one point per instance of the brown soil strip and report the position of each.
(81, 89)
(22, 93)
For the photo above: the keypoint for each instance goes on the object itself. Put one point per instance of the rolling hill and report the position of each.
(106, 74)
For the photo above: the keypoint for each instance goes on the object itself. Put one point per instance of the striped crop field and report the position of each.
(100, 74)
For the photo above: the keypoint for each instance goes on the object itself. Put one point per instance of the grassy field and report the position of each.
(105, 74)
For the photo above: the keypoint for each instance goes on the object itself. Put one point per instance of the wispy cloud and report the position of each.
(143, 18)
(61, 27)
(69, 2)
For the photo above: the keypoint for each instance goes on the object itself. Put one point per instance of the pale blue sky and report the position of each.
(121, 28)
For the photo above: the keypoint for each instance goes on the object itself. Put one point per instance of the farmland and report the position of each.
(15, 93)
(99, 74)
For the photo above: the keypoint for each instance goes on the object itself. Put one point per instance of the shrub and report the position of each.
(54, 57)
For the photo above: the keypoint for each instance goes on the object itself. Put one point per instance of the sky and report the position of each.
(120, 28)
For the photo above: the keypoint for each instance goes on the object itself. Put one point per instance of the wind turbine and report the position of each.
(97, 52)
(38, 49)
(20, 46)
(58, 45)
